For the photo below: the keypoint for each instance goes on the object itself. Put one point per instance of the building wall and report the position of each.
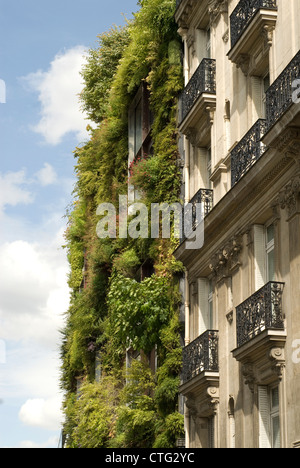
(234, 254)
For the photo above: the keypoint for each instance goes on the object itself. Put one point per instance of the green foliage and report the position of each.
(91, 417)
(99, 71)
(137, 311)
(114, 311)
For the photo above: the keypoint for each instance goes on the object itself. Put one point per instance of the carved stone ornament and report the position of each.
(216, 8)
(289, 197)
(248, 374)
(227, 258)
(214, 398)
(276, 356)
(267, 33)
(243, 63)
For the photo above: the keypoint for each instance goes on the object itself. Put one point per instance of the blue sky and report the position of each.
(42, 46)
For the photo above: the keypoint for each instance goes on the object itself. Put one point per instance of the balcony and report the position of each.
(262, 311)
(247, 22)
(204, 197)
(198, 95)
(279, 96)
(247, 151)
(201, 356)
(261, 336)
(244, 13)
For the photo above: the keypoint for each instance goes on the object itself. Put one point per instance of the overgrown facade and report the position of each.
(239, 121)
(122, 349)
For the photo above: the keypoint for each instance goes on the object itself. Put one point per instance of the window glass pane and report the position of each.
(138, 127)
(271, 266)
(275, 398)
(276, 431)
(270, 233)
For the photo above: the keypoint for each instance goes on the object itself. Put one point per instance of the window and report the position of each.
(270, 253)
(138, 128)
(210, 306)
(211, 433)
(269, 417)
(208, 43)
(206, 309)
(209, 185)
(264, 254)
(265, 87)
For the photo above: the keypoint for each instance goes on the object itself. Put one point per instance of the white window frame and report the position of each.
(267, 414)
(262, 250)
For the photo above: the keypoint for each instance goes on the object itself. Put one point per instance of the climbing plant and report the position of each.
(111, 310)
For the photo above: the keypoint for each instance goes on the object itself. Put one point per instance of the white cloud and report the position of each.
(47, 175)
(45, 414)
(13, 189)
(51, 443)
(58, 90)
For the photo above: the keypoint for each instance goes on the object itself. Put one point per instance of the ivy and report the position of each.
(114, 311)
(137, 311)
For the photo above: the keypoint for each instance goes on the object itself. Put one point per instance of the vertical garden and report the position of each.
(110, 403)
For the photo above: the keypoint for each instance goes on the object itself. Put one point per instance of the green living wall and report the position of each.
(110, 310)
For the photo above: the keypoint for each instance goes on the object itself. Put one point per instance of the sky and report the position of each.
(42, 49)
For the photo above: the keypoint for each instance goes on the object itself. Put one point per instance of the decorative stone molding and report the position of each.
(267, 368)
(267, 33)
(205, 404)
(276, 356)
(289, 197)
(227, 258)
(215, 9)
(243, 62)
(213, 396)
(229, 317)
(248, 374)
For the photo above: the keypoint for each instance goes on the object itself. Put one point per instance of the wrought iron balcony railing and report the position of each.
(247, 151)
(202, 81)
(262, 311)
(279, 96)
(243, 14)
(201, 355)
(204, 197)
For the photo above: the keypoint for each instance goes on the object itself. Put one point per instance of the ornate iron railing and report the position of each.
(243, 14)
(247, 151)
(279, 96)
(190, 218)
(202, 81)
(262, 311)
(201, 355)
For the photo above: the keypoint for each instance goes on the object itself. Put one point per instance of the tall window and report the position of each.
(264, 254)
(269, 417)
(138, 138)
(265, 86)
(208, 43)
(209, 185)
(206, 309)
(270, 253)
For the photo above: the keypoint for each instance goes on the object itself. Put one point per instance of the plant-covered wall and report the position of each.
(110, 311)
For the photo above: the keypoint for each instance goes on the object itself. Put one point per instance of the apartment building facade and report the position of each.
(239, 126)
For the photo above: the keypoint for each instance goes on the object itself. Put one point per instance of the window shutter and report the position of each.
(257, 98)
(203, 305)
(211, 433)
(259, 256)
(264, 417)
